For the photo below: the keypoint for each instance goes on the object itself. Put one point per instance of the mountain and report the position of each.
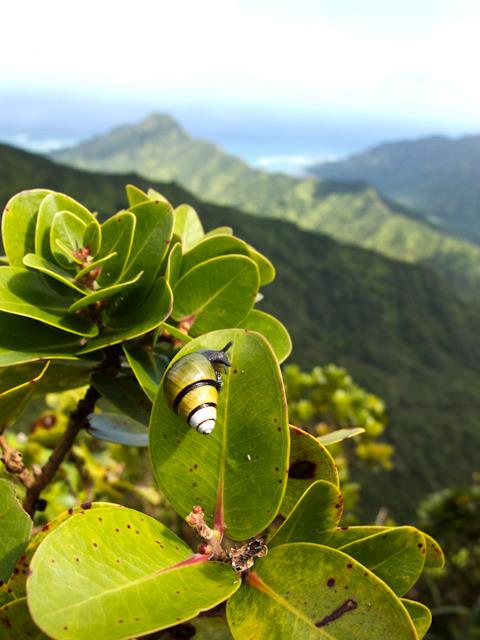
(401, 330)
(438, 176)
(159, 149)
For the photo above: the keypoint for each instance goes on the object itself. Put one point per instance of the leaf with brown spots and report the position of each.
(17, 624)
(127, 575)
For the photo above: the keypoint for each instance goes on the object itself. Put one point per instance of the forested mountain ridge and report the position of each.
(400, 329)
(159, 149)
(437, 175)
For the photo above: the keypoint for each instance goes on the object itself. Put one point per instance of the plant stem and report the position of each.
(78, 420)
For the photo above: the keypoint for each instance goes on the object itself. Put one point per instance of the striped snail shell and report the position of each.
(192, 385)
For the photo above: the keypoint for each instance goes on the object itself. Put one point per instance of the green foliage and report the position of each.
(252, 479)
(330, 405)
(15, 526)
(354, 212)
(397, 327)
(438, 176)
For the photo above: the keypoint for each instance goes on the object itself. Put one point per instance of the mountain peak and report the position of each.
(160, 123)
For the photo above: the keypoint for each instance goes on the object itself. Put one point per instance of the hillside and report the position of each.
(159, 149)
(438, 176)
(399, 328)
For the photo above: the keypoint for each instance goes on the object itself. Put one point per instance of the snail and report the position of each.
(192, 385)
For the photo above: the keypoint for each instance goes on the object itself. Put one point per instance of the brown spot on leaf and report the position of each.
(302, 470)
(348, 605)
(330, 582)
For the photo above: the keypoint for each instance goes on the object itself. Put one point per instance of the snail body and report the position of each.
(192, 385)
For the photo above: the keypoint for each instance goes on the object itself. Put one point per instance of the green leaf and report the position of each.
(213, 247)
(346, 535)
(138, 320)
(219, 293)
(272, 329)
(309, 461)
(16, 527)
(314, 517)
(66, 238)
(265, 267)
(308, 591)
(25, 340)
(339, 435)
(435, 558)
(118, 428)
(147, 366)
(117, 236)
(420, 615)
(13, 400)
(18, 224)
(104, 294)
(127, 575)
(53, 270)
(93, 238)
(50, 206)
(124, 394)
(396, 556)
(175, 332)
(219, 231)
(17, 624)
(174, 263)
(153, 233)
(152, 194)
(135, 195)
(187, 226)
(25, 293)
(237, 474)
(18, 579)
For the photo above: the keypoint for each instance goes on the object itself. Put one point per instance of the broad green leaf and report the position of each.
(272, 329)
(218, 293)
(18, 579)
(314, 517)
(53, 270)
(118, 428)
(67, 236)
(135, 195)
(117, 236)
(127, 575)
(244, 460)
(265, 267)
(104, 294)
(153, 233)
(213, 247)
(18, 224)
(309, 461)
(50, 206)
(174, 263)
(17, 624)
(308, 591)
(435, 558)
(346, 535)
(136, 321)
(13, 400)
(25, 293)
(25, 340)
(339, 435)
(60, 376)
(147, 366)
(396, 556)
(124, 394)
(16, 527)
(187, 226)
(420, 615)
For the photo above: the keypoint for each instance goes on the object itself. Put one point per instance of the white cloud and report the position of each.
(366, 57)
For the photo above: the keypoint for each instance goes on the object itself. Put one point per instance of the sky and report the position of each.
(232, 68)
